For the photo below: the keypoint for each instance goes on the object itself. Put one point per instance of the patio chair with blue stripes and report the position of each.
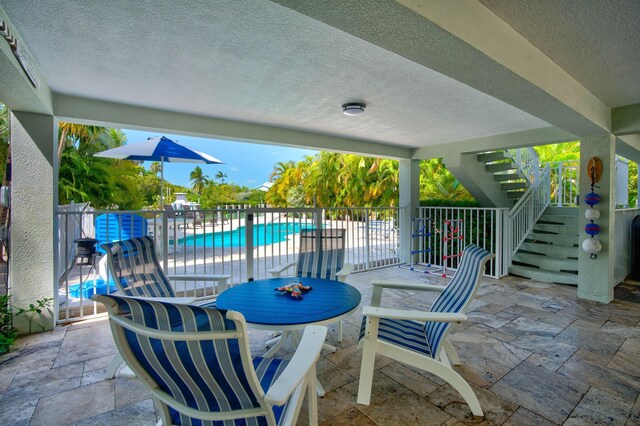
(320, 255)
(197, 363)
(418, 338)
(133, 265)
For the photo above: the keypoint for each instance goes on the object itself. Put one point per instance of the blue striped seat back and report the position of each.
(134, 266)
(458, 294)
(321, 253)
(204, 373)
(112, 227)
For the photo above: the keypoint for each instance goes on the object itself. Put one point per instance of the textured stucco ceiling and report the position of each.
(596, 41)
(252, 61)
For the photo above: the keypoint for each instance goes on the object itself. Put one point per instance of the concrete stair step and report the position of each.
(501, 177)
(571, 230)
(551, 250)
(547, 262)
(560, 219)
(515, 195)
(490, 157)
(509, 186)
(562, 211)
(555, 239)
(543, 275)
(500, 167)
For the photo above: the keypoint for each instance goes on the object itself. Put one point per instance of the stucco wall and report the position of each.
(32, 221)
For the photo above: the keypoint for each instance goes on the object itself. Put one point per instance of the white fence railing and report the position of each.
(527, 162)
(242, 243)
(564, 183)
(528, 209)
(481, 226)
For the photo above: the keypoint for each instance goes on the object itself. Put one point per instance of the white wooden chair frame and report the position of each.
(298, 378)
(440, 364)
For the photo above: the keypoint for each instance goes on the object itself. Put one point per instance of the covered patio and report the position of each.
(533, 352)
(436, 79)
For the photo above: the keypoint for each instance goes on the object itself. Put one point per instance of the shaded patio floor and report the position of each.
(533, 353)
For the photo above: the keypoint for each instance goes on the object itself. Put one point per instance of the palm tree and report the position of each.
(279, 169)
(221, 176)
(70, 133)
(155, 167)
(199, 180)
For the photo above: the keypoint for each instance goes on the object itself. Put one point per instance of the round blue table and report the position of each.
(264, 308)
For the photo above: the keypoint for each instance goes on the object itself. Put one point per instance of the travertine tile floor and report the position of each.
(533, 352)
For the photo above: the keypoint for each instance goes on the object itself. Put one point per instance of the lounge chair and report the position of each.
(192, 216)
(133, 265)
(197, 363)
(419, 338)
(321, 255)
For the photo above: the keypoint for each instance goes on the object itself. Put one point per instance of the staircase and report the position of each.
(506, 172)
(550, 250)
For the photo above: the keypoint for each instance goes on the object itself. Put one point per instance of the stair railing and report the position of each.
(528, 209)
(527, 162)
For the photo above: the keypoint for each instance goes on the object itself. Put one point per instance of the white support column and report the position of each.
(596, 276)
(34, 195)
(409, 174)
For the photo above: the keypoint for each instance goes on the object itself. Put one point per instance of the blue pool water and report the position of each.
(88, 290)
(263, 234)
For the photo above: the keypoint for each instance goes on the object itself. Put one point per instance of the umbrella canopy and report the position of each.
(160, 149)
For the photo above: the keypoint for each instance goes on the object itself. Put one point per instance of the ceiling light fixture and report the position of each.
(353, 108)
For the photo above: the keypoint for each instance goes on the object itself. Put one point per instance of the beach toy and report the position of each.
(295, 289)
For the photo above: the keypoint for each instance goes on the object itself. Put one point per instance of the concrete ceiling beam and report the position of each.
(16, 90)
(522, 139)
(82, 110)
(626, 120)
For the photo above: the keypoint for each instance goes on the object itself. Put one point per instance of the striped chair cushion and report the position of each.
(206, 374)
(321, 253)
(136, 269)
(454, 299)
(458, 293)
(403, 333)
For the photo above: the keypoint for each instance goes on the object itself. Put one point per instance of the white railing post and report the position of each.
(248, 234)
(165, 241)
(560, 184)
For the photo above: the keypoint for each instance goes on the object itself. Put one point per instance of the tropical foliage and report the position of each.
(106, 183)
(347, 180)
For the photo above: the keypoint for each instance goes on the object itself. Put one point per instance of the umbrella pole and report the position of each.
(161, 183)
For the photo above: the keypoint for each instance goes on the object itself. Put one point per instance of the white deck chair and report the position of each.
(419, 338)
(197, 363)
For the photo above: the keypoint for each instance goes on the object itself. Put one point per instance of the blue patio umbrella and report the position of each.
(160, 149)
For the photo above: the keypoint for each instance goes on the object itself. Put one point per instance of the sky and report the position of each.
(246, 164)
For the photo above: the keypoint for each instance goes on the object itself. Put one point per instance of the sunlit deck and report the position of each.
(533, 353)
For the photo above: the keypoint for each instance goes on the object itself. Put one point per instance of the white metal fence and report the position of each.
(440, 233)
(564, 183)
(242, 243)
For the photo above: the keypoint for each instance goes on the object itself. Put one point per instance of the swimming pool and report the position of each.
(263, 234)
(87, 290)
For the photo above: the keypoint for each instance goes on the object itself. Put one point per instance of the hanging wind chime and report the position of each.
(592, 245)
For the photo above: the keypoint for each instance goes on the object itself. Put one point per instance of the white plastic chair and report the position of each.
(419, 338)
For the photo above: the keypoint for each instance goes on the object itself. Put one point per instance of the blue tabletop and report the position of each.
(260, 304)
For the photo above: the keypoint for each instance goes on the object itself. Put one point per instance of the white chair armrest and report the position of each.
(343, 273)
(278, 270)
(303, 360)
(372, 311)
(176, 300)
(196, 277)
(407, 286)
